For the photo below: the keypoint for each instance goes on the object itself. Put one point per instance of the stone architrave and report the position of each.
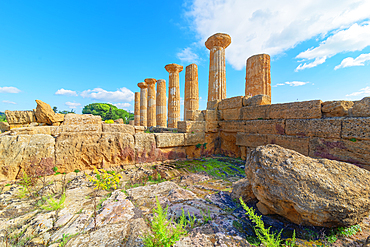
(217, 69)
(143, 103)
(161, 104)
(173, 94)
(151, 121)
(137, 109)
(258, 79)
(191, 102)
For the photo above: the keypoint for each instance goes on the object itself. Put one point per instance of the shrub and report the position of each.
(53, 204)
(105, 180)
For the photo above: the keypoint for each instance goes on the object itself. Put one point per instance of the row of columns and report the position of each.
(150, 106)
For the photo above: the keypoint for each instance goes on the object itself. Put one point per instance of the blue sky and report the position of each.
(73, 53)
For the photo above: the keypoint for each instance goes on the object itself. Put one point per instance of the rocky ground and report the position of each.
(122, 216)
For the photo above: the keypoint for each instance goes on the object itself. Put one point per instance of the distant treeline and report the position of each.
(107, 112)
(2, 117)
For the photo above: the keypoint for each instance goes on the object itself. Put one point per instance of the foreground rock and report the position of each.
(308, 191)
(44, 114)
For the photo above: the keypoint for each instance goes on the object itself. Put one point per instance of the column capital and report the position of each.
(149, 81)
(161, 80)
(219, 39)
(171, 68)
(142, 85)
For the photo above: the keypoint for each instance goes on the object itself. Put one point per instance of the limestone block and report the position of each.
(361, 108)
(194, 138)
(116, 148)
(260, 99)
(18, 151)
(144, 141)
(211, 126)
(131, 122)
(232, 126)
(213, 105)
(196, 115)
(122, 128)
(81, 128)
(357, 152)
(4, 126)
(231, 103)
(191, 126)
(357, 128)
(44, 114)
(20, 117)
(273, 126)
(38, 130)
(296, 110)
(74, 119)
(211, 115)
(171, 153)
(228, 146)
(325, 128)
(254, 112)
(170, 140)
(250, 140)
(230, 114)
(119, 121)
(139, 129)
(299, 144)
(336, 108)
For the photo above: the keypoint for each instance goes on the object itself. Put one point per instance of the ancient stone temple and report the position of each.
(258, 79)
(217, 69)
(143, 103)
(173, 94)
(161, 104)
(137, 109)
(151, 121)
(191, 101)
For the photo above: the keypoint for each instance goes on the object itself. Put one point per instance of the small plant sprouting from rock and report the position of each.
(110, 121)
(105, 180)
(266, 237)
(206, 216)
(53, 204)
(165, 232)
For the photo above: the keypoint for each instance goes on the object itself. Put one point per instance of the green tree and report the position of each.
(55, 109)
(2, 117)
(107, 111)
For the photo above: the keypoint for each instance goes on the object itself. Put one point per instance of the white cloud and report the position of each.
(67, 92)
(363, 92)
(124, 106)
(349, 61)
(292, 83)
(72, 105)
(355, 38)
(9, 102)
(271, 26)
(187, 56)
(122, 94)
(9, 90)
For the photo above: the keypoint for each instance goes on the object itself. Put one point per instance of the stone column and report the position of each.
(151, 121)
(217, 69)
(161, 104)
(173, 94)
(258, 79)
(191, 101)
(137, 109)
(143, 103)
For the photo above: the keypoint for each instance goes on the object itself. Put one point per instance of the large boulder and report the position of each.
(308, 191)
(44, 114)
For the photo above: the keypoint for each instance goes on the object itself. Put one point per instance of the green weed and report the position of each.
(51, 203)
(165, 232)
(206, 216)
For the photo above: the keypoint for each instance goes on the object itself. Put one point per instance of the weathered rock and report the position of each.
(139, 129)
(213, 104)
(20, 117)
(77, 119)
(259, 99)
(231, 103)
(4, 126)
(194, 138)
(326, 128)
(230, 114)
(191, 126)
(336, 108)
(361, 108)
(274, 126)
(308, 191)
(122, 128)
(242, 188)
(232, 126)
(44, 114)
(357, 128)
(45, 130)
(119, 121)
(295, 110)
(18, 151)
(194, 115)
(170, 140)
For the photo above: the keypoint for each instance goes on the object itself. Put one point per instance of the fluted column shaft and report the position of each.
(258, 79)
(143, 103)
(173, 94)
(191, 101)
(151, 121)
(137, 109)
(161, 104)
(217, 67)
